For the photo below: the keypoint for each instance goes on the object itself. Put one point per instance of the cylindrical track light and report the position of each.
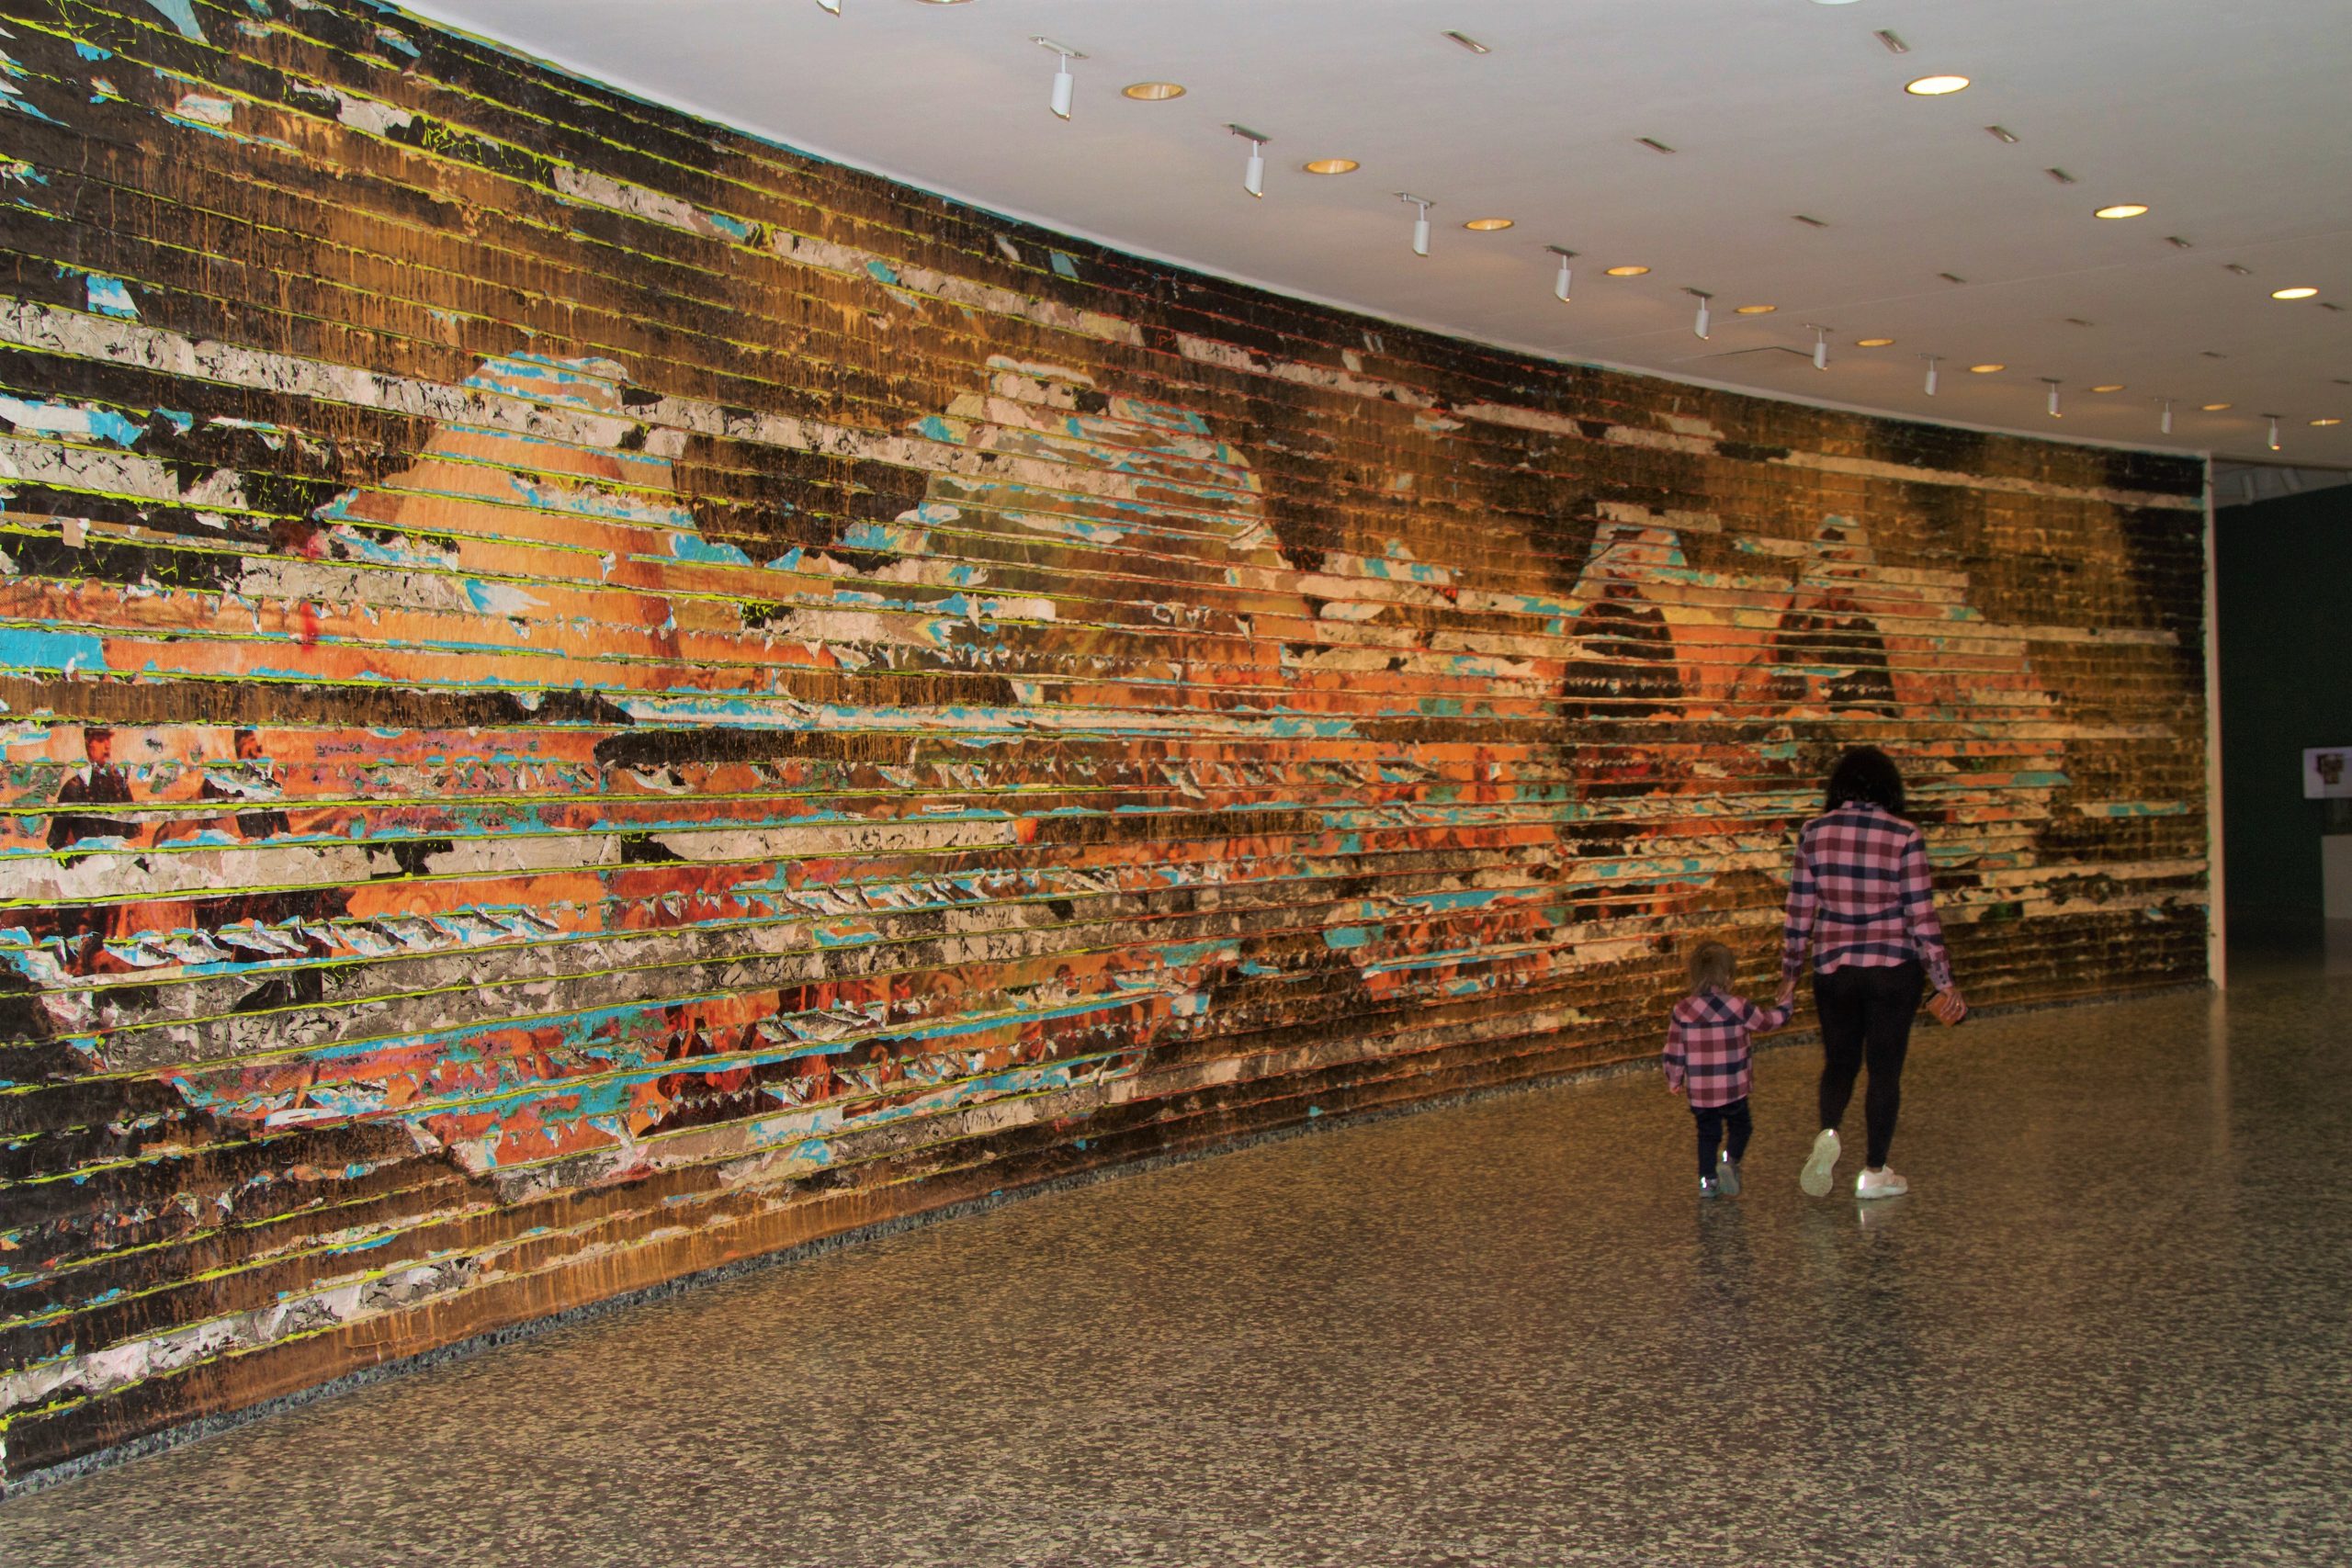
(1421, 224)
(2164, 424)
(1253, 173)
(2052, 383)
(830, 8)
(1820, 348)
(1931, 359)
(2274, 430)
(1064, 85)
(1699, 326)
(1560, 283)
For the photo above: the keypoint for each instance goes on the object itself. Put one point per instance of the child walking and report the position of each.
(1709, 1057)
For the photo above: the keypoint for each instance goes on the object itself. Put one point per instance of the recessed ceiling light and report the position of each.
(2327, 422)
(1872, 342)
(2109, 387)
(1152, 92)
(1766, 309)
(1486, 225)
(2215, 407)
(1985, 369)
(1627, 271)
(1333, 166)
(2296, 293)
(2122, 209)
(1934, 87)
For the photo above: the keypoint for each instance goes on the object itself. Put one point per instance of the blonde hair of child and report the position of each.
(1711, 964)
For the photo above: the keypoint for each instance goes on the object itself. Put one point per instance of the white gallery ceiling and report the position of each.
(2228, 123)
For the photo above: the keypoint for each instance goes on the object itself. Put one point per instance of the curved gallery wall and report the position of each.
(588, 697)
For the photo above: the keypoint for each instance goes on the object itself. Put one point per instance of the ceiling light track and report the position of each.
(1422, 223)
(1253, 173)
(1064, 87)
(1560, 283)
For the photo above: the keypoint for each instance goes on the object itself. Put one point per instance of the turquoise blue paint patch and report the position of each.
(91, 50)
(688, 547)
(181, 13)
(1064, 265)
(34, 647)
(735, 228)
(107, 296)
(881, 272)
(393, 40)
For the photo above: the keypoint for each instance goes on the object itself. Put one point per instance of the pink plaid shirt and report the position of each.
(1707, 1046)
(1860, 877)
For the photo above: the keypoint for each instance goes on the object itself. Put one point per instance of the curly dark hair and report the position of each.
(1866, 774)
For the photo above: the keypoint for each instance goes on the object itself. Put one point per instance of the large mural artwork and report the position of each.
(585, 698)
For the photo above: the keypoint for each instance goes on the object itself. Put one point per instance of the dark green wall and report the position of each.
(2282, 571)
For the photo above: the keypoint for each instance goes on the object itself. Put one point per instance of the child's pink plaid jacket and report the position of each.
(1707, 1046)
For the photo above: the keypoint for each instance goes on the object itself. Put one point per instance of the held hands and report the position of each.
(1788, 997)
(1947, 1006)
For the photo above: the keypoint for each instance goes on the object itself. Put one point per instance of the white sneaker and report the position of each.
(1880, 1184)
(1707, 1187)
(1727, 1175)
(1820, 1165)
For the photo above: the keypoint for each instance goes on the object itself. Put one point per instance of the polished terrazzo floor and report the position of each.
(2109, 1326)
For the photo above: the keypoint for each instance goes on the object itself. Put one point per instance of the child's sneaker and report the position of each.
(1820, 1166)
(1880, 1184)
(1727, 1176)
(1707, 1187)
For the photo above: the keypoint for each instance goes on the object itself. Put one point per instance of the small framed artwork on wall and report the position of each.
(2327, 773)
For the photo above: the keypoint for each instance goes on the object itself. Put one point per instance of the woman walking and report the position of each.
(1860, 882)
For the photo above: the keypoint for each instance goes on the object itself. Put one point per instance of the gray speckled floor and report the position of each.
(2109, 1327)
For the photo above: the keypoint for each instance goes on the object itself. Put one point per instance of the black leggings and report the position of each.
(1866, 1016)
(1712, 1120)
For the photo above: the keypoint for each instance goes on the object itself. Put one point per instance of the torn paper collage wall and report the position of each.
(586, 698)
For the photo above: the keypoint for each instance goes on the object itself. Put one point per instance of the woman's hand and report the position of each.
(1788, 998)
(1947, 1006)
